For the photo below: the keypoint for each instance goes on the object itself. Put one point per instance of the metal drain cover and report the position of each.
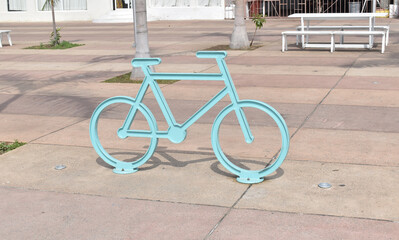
(60, 167)
(324, 185)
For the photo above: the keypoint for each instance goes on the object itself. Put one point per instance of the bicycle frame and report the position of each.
(177, 132)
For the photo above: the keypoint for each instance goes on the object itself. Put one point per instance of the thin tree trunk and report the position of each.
(253, 37)
(239, 37)
(142, 48)
(54, 27)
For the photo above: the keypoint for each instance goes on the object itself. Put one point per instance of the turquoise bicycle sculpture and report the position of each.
(176, 133)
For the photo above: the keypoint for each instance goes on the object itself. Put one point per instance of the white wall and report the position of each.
(96, 9)
(184, 13)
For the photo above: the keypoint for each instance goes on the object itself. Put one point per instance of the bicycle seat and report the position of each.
(140, 62)
(211, 54)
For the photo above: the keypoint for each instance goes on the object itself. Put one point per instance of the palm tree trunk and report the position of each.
(239, 37)
(142, 48)
(54, 27)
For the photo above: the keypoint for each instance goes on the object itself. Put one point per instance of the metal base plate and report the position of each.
(250, 180)
(124, 171)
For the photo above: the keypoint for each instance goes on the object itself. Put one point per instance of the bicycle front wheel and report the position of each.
(247, 160)
(125, 154)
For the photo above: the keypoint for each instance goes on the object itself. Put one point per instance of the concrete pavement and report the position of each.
(341, 109)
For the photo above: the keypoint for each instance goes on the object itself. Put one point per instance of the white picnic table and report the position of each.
(369, 19)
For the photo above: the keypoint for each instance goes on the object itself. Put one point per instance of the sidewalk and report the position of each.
(342, 110)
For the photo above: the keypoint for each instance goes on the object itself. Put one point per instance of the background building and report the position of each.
(120, 10)
(109, 10)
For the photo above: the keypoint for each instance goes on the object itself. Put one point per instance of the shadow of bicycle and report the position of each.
(170, 158)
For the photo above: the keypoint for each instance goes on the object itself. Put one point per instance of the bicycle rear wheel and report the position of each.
(261, 118)
(105, 122)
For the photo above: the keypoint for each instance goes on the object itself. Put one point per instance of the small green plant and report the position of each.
(5, 147)
(55, 40)
(62, 45)
(259, 20)
(125, 78)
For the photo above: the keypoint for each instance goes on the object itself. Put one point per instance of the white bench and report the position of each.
(8, 36)
(348, 27)
(332, 34)
(366, 33)
(284, 35)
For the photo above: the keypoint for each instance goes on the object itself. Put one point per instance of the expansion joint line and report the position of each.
(227, 213)
(60, 129)
(327, 94)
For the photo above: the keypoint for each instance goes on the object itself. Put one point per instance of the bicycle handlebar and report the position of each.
(211, 54)
(142, 62)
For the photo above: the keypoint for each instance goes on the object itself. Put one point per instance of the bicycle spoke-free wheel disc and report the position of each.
(125, 154)
(251, 162)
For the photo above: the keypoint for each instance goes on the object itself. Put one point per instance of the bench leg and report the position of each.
(387, 37)
(1, 38)
(332, 43)
(383, 43)
(9, 39)
(286, 42)
(341, 41)
(283, 43)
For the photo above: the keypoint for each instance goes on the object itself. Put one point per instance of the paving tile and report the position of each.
(284, 69)
(369, 82)
(381, 98)
(73, 51)
(282, 80)
(11, 65)
(67, 106)
(85, 89)
(5, 85)
(70, 66)
(288, 81)
(85, 76)
(360, 147)
(22, 87)
(289, 60)
(50, 215)
(264, 94)
(371, 62)
(175, 176)
(364, 118)
(294, 51)
(31, 75)
(358, 191)
(374, 71)
(68, 84)
(26, 128)
(66, 58)
(9, 57)
(253, 224)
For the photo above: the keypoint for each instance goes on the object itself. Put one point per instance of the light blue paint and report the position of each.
(177, 132)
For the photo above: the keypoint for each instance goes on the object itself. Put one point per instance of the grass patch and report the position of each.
(125, 78)
(62, 45)
(5, 147)
(227, 47)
